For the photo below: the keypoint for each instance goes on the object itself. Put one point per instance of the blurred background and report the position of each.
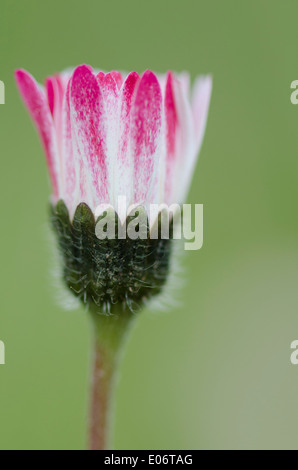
(215, 372)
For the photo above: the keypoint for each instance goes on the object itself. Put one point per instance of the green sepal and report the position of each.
(109, 276)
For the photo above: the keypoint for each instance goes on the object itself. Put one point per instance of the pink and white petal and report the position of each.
(158, 194)
(200, 106)
(117, 77)
(171, 134)
(89, 121)
(185, 145)
(36, 102)
(110, 91)
(108, 85)
(146, 136)
(124, 166)
(84, 191)
(64, 77)
(55, 94)
(184, 79)
(162, 80)
(70, 181)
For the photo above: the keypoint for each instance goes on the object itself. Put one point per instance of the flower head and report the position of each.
(110, 135)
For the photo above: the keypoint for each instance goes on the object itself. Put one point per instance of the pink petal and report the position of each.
(110, 92)
(117, 77)
(55, 94)
(50, 95)
(89, 119)
(100, 76)
(171, 122)
(108, 85)
(171, 115)
(38, 107)
(146, 130)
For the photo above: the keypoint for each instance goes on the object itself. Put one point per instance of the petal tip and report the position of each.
(21, 75)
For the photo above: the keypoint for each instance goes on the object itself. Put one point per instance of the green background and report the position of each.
(215, 372)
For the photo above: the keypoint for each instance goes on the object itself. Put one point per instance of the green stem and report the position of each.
(109, 334)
